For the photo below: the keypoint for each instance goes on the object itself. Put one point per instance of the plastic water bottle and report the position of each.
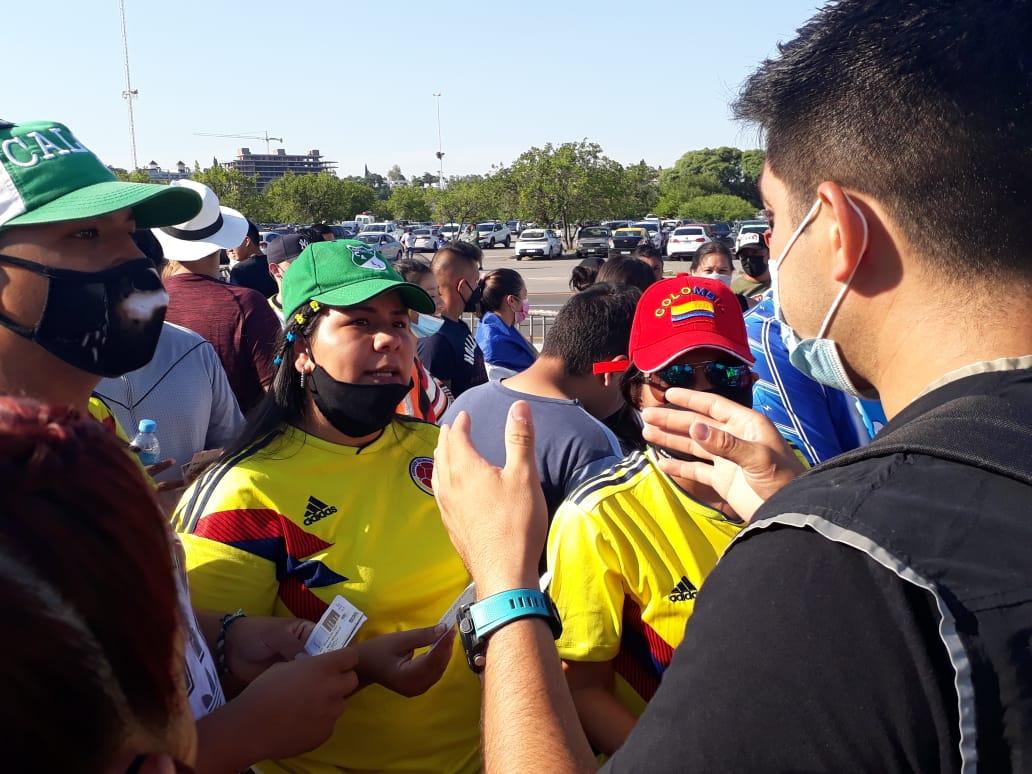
(146, 443)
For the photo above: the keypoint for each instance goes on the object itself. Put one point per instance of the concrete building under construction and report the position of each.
(269, 166)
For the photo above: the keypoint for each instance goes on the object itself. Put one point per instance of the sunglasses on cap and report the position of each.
(718, 374)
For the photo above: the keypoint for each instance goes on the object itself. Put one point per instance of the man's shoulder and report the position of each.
(601, 491)
(484, 399)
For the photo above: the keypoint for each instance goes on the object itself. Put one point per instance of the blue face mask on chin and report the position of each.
(818, 357)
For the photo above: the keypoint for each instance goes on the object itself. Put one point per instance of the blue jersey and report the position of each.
(822, 422)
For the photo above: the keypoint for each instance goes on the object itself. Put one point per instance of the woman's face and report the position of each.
(369, 343)
(714, 263)
(429, 283)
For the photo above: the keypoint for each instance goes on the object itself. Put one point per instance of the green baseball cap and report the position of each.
(48, 176)
(344, 273)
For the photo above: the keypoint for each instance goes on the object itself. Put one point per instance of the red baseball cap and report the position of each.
(680, 314)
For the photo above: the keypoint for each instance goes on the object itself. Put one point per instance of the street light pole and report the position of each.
(130, 93)
(440, 151)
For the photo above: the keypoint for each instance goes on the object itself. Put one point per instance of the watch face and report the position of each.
(473, 646)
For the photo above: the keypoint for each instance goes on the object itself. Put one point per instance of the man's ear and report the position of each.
(613, 378)
(847, 230)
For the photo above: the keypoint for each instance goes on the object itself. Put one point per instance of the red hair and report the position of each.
(86, 573)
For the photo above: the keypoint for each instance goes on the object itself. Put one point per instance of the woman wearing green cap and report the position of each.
(328, 493)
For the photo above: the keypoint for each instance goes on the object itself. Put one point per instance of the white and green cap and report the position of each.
(48, 176)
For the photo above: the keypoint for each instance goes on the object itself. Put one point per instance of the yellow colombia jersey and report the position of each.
(628, 552)
(286, 525)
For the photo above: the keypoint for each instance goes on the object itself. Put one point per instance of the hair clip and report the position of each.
(299, 318)
(290, 335)
(278, 360)
(314, 305)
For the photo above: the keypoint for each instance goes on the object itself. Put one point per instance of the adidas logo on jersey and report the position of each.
(316, 510)
(684, 591)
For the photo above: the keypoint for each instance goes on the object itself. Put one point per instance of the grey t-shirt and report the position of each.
(570, 445)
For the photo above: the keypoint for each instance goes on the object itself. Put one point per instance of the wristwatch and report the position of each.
(478, 621)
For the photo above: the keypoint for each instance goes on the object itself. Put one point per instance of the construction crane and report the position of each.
(263, 136)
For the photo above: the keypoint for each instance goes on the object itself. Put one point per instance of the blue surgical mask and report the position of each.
(818, 357)
(426, 325)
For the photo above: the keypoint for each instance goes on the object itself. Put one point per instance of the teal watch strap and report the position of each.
(496, 611)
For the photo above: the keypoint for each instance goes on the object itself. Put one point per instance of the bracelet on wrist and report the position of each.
(220, 642)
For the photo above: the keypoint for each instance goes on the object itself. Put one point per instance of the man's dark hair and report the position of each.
(648, 250)
(498, 285)
(412, 269)
(465, 250)
(709, 249)
(321, 228)
(584, 273)
(621, 270)
(924, 105)
(252, 233)
(593, 325)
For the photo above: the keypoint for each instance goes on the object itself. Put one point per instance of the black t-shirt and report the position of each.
(452, 355)
(253, 273)
(802, 654)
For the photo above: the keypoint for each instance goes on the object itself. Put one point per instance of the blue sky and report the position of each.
(355, 79)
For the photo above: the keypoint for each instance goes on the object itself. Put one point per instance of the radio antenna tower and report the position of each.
(130, 93)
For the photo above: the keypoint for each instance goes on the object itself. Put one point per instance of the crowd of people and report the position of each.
(766, 518)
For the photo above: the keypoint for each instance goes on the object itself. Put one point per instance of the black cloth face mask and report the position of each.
(753, 265)
(357, 410)
(102, 322)
(472, 304)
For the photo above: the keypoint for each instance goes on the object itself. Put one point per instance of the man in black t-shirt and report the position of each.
(452, 354)
(251, 269)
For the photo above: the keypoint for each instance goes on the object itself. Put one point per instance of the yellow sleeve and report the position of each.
(586, 585)
(231, 544)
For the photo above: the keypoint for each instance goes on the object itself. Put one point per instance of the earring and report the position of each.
(302, 380)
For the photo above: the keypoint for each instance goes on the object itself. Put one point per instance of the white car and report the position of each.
(385, 244)
(538, 243)
(655, 233)
(450, 232)
(384, 227)
(427, 240)
(750, 228)
(685, 241)
(493, 233)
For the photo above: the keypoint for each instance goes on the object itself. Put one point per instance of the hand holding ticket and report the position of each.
(336, 628)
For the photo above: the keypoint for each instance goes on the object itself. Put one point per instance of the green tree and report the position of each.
(641, 189)
(718, 207)
(236, 190)
(566, 183)
(466, 200)
(136, 176)
(720, 170)
(394, 174)
(409, 203)
(321, 198)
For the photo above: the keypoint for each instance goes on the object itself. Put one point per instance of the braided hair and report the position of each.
(284, 402)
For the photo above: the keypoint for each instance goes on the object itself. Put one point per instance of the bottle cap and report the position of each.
(148, 426)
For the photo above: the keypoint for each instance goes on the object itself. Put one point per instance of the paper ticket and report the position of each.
(336, 628)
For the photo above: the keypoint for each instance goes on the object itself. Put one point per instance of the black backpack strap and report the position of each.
(982, 431)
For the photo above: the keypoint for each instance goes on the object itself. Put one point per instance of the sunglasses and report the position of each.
(718, 374)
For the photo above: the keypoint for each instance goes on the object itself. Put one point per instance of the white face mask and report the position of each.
(724, 278)
(426, 325)
(818, 357)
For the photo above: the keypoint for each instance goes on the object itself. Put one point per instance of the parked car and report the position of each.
(750, 227)
(265, 237)
(624, 241)
(592, 240)
(538, 243)
(383, 227)
(685, 241)
(449, 232)
(655, 232)
(427, 240)
(721, 232)
(385, 244)
(493, 233)
(515, 227)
